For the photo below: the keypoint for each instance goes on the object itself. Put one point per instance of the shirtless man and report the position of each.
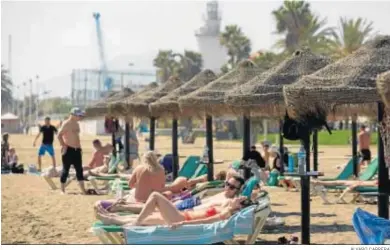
(364, 147)
(98, 156)
(69, 139)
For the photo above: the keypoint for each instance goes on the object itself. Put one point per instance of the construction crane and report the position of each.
(108, 81)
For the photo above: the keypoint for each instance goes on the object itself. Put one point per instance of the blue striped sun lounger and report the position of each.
(249, 222)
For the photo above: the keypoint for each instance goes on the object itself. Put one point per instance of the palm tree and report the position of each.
(351, 34)
(6, 89)
(237, 44)
(266, 59)
(166, 64)
(190, 64)
(295, 21)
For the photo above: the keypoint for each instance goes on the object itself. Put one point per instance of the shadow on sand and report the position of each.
(279, 214)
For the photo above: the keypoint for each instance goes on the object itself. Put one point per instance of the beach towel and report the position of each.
(370, 228)
(197, 234)
(188, 203)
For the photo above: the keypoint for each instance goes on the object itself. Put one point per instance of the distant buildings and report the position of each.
(88, 84)
(213, 54)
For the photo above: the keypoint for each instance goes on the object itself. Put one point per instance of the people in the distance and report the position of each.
(4, 147)
(364, 147)
(265, 147)
(98, 156)
(12, 162)
(47, 131)
(253, 154)
(69, 138)
(134, 145)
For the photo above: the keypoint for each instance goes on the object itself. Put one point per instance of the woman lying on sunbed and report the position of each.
(168, 214)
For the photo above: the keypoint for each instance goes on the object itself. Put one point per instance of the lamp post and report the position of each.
(37, 99)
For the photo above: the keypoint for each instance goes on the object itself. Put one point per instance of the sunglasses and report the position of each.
(231, 186)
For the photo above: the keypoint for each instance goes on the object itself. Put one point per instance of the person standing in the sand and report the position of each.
(364, 146)
(69, 139)
(48, 131)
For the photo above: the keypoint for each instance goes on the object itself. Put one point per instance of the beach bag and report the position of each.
(17, 169)
(300, 129)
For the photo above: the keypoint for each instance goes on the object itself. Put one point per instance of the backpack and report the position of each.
(303, 127)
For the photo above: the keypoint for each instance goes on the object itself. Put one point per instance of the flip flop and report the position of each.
(91, 192)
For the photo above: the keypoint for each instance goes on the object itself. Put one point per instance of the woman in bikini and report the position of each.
(168, 214)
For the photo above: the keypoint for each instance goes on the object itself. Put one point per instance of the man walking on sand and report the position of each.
(364, 147)
(48, 131)
(69, 139)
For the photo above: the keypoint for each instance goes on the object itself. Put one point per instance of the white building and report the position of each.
(213, 54)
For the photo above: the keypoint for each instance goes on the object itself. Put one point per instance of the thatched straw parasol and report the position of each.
(345, 87)
(121, 105)
(139, 105)
(383, 85)
(168, 105)
(101, 107)
(209, 100)
(263, 95)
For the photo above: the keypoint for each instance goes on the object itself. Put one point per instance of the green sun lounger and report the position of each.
(345, 174)
(368, 174)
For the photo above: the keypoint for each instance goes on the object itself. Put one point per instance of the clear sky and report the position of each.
(50, 38)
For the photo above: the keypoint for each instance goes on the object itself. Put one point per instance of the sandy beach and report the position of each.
(34, 214)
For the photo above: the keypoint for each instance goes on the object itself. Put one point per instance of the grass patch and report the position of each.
(338, 137)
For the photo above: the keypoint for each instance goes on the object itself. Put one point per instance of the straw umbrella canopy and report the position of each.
(383, 85)
(101, 107)
(139, 105)
(169, 106)
(345, 87)
(209, 100)
(120, 106)
(263, 95)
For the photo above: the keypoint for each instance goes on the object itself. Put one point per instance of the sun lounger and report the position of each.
(249, 222)
(345, 174)
(367, 175)
(370, 228)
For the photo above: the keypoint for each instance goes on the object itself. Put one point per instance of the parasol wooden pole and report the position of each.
(305, 196)
(246, 142)
(354, 147)
(281, 146)
(175, 167)
(383, 172)
(209, 143)
(315, 150)
(152, 132)
(127, 143)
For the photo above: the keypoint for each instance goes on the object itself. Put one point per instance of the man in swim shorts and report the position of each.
(48, 131)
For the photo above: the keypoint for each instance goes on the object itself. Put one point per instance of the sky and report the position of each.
(50, 38)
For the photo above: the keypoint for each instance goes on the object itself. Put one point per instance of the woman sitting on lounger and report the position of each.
(168, 214)
(147, 178)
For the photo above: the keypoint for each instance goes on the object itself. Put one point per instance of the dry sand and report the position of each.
(31, 213)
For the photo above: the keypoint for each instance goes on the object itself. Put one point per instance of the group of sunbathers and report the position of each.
(174, 202)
